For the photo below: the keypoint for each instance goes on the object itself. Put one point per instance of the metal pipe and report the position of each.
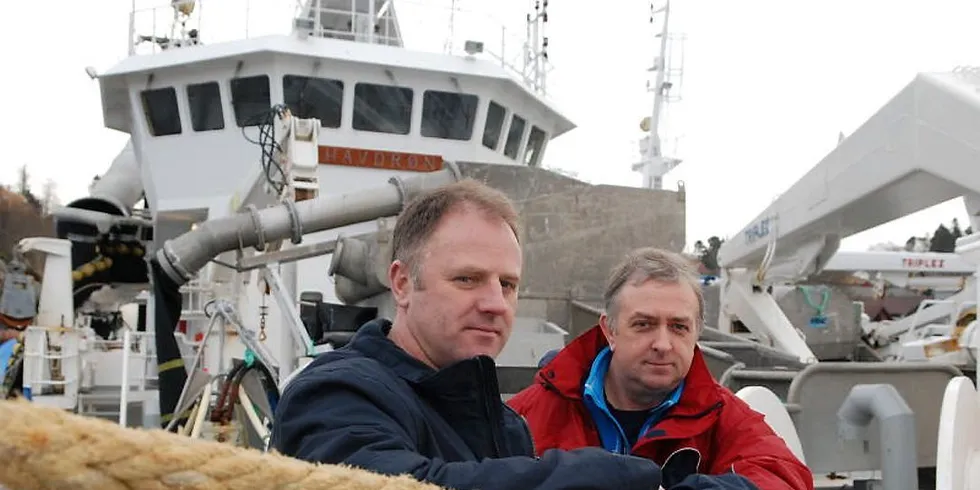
(356, 262)
(121, 185)
(727, 375)
(124, 389)
(710, 351)
(896, 427)
(350, 258)
(351, 292)
(768, 375)
(182, 257)
(110, 198)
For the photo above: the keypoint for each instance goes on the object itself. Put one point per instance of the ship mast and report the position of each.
(667, 67)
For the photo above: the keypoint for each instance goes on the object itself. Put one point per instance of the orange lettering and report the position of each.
(389, 160)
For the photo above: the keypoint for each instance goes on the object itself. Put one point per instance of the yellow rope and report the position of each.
(48, 448)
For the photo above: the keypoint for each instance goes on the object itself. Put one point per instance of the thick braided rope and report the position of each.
(48, 448)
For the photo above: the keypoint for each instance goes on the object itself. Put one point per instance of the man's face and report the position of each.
(654, 336)
(467, 295)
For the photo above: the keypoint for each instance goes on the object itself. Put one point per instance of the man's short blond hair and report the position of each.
(652, 264)
(418, 221)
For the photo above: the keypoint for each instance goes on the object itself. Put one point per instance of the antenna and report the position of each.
(536, 47)
(668, 69)
(448, 46)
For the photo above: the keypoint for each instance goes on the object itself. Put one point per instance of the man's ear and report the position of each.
(399, 278)
(607, 330)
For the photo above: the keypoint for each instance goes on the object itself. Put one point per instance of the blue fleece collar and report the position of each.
(610, 432)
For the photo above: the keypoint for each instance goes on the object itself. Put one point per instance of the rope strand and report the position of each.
(48, 448)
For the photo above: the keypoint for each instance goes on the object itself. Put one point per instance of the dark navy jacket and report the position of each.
(371, 405)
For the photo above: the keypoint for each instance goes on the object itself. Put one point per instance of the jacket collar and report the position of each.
(372, 340)
(567, 373)
(476, 374)
(466, 394)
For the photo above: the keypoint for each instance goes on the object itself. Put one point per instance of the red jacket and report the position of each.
(708, 417)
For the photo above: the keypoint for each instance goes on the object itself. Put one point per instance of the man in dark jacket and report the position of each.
(419, 395)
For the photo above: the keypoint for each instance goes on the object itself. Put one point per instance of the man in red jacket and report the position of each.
(637, 384)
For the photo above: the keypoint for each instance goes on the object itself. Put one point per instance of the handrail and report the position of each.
(520, 50)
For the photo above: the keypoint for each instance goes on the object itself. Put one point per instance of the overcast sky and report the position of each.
(767, 87)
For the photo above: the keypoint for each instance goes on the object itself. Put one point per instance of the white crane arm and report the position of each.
(908, 262)
(922, 148)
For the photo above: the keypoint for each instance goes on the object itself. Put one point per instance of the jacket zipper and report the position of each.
(489, 378)
(698, 415)
(527, 429)
(549, 385)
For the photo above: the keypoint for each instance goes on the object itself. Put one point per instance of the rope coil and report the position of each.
(48, 448)
(824, 301)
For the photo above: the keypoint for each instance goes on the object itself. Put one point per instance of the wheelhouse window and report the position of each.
(382, 108)
(251, 100)
(204, 100)
(535, 143)
(160, 107)
(494, 125)
(514, 136)
(308, 97)
(448, 115)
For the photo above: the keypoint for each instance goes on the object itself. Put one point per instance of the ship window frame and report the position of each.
(512, 146)
(213, 116)
(165, 123)
(363, 102)
(246, 112)
(534, 149)
(334, 107)
(453, 107)
(493, 131)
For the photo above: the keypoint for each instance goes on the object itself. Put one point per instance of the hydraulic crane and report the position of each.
(920, 149)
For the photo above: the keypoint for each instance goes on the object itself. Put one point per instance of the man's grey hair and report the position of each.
(652, 264)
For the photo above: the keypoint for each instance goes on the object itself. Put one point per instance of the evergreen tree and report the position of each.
(942, 240)
(709, 254)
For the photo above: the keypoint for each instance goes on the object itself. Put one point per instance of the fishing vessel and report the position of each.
(243, 228)
(315, 119)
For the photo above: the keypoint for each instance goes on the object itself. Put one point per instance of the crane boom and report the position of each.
(920, 149)
(905, 262)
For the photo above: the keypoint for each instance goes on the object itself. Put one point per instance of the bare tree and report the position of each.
(20, 218)
(24, 188)
(49, 196)
(23, 181)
